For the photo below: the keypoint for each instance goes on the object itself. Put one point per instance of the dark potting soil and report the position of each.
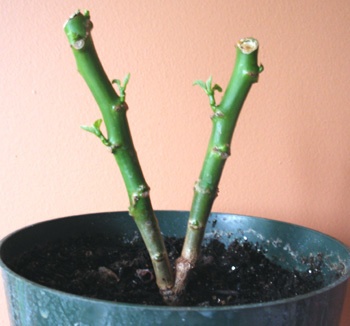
(97, 268)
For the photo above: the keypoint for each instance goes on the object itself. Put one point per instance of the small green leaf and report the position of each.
(88, 128)
(209, 90)
(116, 81)
(217, 88)
(95, 128)
(126, 80)
(201, 84)
(209, 81)
(121, 87)
(97, 124)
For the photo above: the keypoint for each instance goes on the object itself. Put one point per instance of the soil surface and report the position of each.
(97, 268)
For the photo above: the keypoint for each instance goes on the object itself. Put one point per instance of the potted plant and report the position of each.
(290, 247)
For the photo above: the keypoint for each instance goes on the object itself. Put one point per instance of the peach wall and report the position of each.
(291, 151)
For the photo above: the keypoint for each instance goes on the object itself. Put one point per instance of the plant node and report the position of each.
(78, 44)
(218, 114)
(158, 257)
(141, 192)
(205, 190)
(222, 151)
(195, 225)
(120, 107)
(114, 147)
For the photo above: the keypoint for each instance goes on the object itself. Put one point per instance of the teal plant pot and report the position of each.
(32, 304)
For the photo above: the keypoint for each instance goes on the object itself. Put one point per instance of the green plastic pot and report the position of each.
(33, 304)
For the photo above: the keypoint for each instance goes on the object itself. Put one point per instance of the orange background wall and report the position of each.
(291, 151)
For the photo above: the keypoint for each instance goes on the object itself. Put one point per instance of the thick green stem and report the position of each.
(245, 73)
(113, 109)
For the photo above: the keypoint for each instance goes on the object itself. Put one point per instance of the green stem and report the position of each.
(113, 109)
(246, 72)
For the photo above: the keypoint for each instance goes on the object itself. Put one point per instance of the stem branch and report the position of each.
(113, 110)
(245, 73)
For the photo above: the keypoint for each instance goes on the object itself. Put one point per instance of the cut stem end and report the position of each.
(248, 45)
